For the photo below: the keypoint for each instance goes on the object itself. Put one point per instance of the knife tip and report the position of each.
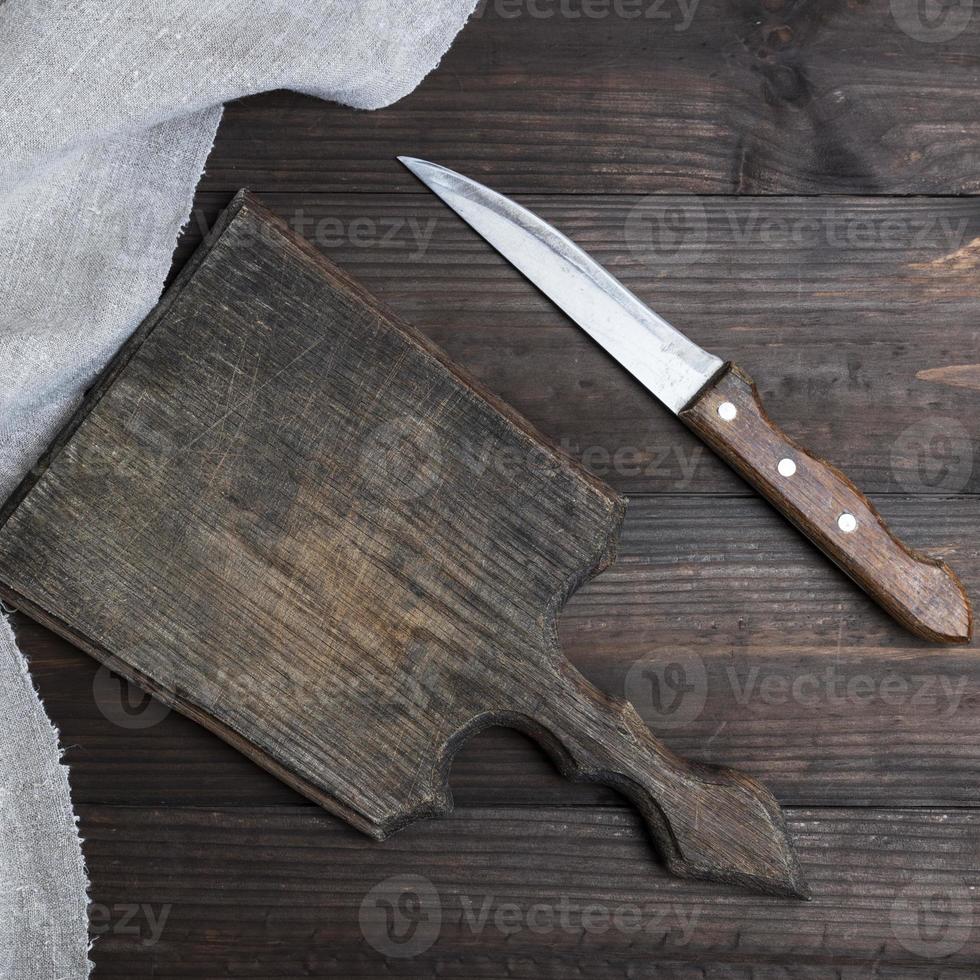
(431, 174)
(413, 163)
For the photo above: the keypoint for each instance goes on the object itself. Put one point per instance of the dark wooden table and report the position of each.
(791, 183)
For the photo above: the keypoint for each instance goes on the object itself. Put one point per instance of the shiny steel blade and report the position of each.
(661, 358)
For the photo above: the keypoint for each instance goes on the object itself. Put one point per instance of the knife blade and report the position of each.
(720, 403)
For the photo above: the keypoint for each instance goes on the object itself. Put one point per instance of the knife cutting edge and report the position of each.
(718, 402)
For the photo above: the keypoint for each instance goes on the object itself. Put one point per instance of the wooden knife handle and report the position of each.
(921, 592)
(709, 822)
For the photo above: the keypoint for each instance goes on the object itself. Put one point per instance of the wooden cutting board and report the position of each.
(291, 518)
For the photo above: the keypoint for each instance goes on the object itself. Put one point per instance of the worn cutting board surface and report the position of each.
(290, 517)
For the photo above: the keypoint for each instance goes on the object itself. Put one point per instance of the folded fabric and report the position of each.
(107, 114)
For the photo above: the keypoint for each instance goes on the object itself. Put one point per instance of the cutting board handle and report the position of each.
(708, 822)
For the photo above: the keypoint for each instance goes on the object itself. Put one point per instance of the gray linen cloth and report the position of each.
(108, 111)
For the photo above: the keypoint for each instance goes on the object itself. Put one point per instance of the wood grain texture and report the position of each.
(716, 97)
(525, 893)
(834, 306)
(291, 518)
(798, 678)
(921, 592)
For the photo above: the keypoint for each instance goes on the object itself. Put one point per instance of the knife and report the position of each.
(719, 402)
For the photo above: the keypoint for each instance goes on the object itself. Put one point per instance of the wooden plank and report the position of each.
(720, 586)
(713, 97)
(857, 318)
(535, 892)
